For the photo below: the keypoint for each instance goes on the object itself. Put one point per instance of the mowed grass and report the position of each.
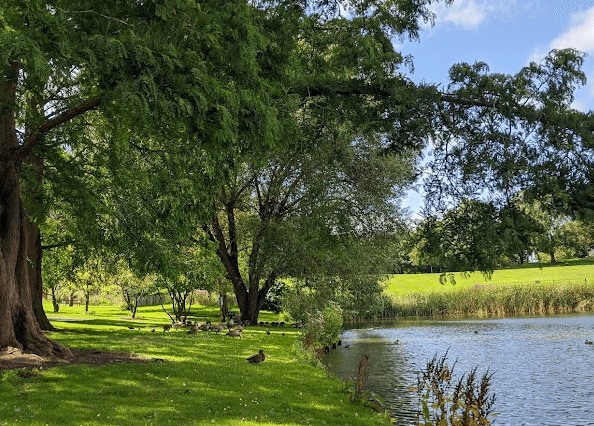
(570, 271)
(201, 380)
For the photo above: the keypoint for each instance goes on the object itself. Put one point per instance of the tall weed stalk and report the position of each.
(444, 402)
(357, 384)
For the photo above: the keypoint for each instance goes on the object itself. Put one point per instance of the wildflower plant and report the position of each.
(444, 402)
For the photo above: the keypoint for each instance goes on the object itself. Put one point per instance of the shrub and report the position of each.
(297, 304)
(332, 317)
(322, 327)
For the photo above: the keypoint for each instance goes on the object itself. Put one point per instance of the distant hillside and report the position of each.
(547, 274)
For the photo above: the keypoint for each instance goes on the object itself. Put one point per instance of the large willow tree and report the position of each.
(348, 86)
(179, 75)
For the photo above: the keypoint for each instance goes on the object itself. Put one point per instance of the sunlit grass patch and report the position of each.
(201, 380)
(575, 270)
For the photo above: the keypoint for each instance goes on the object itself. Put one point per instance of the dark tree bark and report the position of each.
(35, 279)
(36, 250)
(131, 299)
(19, 326)
(250, 300)
(55, 301)
(87, 292)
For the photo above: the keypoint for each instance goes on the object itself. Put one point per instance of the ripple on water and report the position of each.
(543, 372)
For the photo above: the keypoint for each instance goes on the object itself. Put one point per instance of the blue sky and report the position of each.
(507, 35)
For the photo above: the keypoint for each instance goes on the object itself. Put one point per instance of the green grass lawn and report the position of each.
(204, 380)
(576, 270)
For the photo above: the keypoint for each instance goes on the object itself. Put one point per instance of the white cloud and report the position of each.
(580, 35)
(580, 105)
(471, 14)
(466, 14)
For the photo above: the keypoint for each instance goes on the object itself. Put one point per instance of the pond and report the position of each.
(543, 370)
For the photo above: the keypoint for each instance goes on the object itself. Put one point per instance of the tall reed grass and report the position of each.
(497, 299)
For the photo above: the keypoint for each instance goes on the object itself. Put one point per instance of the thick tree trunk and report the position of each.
(35, 279)
(18, 325)
(36, 250)
(250, 301)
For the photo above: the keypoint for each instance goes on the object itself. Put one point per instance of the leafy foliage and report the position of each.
(322, 326)
(261, 123)
(465, 239)
(502, 134)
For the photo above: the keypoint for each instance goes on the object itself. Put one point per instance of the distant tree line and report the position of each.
(480, 236)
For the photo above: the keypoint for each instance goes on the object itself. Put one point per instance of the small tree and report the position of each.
(57, 269)
(179, 288)
(551, 219)
(133, 287)
(576, 238)
(92, 277)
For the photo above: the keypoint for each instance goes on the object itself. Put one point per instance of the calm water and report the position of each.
(544, 371)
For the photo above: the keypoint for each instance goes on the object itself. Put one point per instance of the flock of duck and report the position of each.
(234, 329)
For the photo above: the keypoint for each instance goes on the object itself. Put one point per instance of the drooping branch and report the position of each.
(32, 138)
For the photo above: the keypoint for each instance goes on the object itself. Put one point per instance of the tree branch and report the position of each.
(57, 245)
(32, 138)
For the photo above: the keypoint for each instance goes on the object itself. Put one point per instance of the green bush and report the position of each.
(322, 327)
(297, 304)
(332, 315)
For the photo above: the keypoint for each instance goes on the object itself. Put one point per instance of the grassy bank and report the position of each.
(526, 289)
(575, 270)
(189, 381)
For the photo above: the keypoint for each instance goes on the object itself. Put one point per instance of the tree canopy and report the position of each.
(180, 76)
(501, 135)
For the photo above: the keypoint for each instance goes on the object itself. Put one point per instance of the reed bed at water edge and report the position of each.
(500, 299)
